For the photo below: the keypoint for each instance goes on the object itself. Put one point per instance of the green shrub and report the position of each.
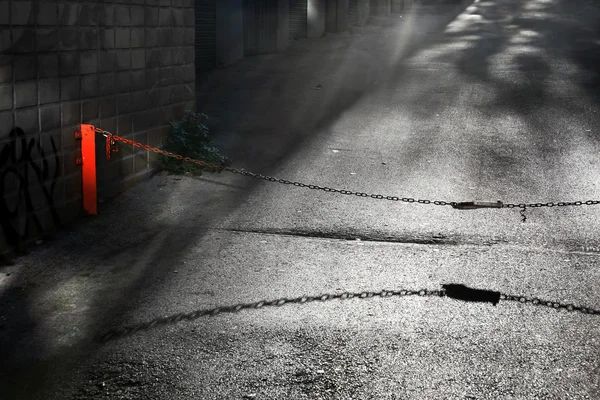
(190, 138)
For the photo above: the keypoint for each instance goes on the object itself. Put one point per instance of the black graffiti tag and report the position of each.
(25, 172)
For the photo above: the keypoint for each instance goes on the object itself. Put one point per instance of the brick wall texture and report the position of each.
(126, 66)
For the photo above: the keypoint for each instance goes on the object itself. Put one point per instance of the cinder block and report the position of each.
(165, 38)
(107, 38)
(178, 111)
(137, 37)
(88, 62)
(122, 16)
(151, 16)
(164, 95)
(89, 86)
(27, 120)
(68, 63)
(178, 19)
(138, 58)
(89, 110)
(88, 38)
(123, 60)
(165, 74)
(25, 67)
(124, 125)
(22, 13)
(137, 16)
(153, 117)
(140, 163)
(68, 13)
(6, 97)
(49, 90)
(23, 39)
(178, 54)
(166, 58)
(106, 84)
(4, 15)
(139, 121)
(165, 2)
(5, 39)
(122, 38)
(68, 39)
(123, 103)
(152, 76)
(106, 61)
(69, 88)
(108, 107)
(177, 37)
(109, 15)
(189, 37)
(47, 65)
(25, 94)
(6, 123)
(189, 93)
(88, 15)
(47, 13)
(166, 115)
(189, 55)
(6, 73)
(189, 73)
(165, 17)
(71, 114)
(188, 18)
(47, 39)
(151, 37)
(153, 58)
(139, 101)
(138, 79)
(123, 81)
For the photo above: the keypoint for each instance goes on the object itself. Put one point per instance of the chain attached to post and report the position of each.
(111, 146)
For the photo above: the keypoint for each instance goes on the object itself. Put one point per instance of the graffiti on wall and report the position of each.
(29, 172)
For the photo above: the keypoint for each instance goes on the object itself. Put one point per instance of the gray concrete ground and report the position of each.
(492, 100)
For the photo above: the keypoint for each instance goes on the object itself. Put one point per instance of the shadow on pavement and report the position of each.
(452, 290)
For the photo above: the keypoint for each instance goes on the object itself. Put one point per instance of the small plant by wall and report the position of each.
(190, 138)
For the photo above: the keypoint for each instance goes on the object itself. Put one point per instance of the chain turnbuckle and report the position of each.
(472, 205)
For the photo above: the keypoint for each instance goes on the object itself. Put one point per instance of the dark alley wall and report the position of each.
(126, 66)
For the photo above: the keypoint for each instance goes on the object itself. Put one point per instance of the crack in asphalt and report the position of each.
(420, 239)
(362, 236)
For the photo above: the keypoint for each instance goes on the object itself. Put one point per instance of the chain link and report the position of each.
(219, 168)
(132, 329)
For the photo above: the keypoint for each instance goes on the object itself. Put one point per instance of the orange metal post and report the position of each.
(87, 135)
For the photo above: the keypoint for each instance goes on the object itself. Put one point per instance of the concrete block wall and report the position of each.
(126, 66)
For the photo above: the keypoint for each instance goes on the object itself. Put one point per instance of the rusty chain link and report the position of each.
(454, 204)
(144, 326)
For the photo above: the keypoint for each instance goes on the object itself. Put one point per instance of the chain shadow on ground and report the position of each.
(452, 290)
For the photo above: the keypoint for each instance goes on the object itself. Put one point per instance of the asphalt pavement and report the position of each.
(484, 101)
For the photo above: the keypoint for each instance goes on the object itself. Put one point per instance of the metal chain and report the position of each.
(132, 329)
(454, 204)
